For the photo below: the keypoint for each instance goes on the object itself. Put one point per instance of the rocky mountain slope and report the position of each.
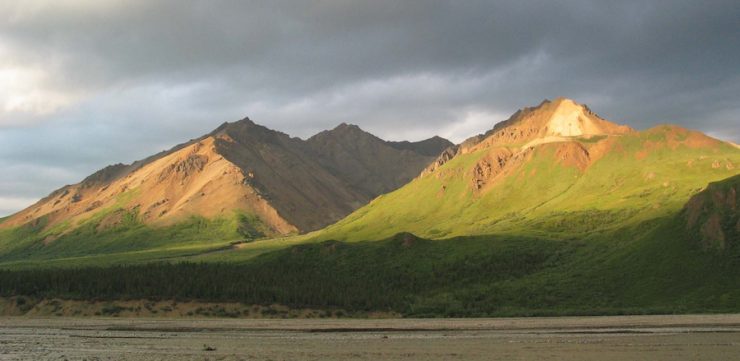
(274, 183)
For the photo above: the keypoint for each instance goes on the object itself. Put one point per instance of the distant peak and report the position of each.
(346, 130)
(245, 131)
(230, 125)
(346, 126)
(343, 132)
(243, 123)
(245, 120)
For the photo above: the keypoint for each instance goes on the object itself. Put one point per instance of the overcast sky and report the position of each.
(84, 84)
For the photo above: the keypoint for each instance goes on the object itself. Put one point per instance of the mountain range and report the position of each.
(553, 211)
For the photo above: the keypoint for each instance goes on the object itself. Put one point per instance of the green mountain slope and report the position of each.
(564, 190)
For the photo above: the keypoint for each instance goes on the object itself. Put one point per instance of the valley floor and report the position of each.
(685, 337)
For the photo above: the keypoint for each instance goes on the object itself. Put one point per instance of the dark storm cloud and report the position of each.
(87, 83)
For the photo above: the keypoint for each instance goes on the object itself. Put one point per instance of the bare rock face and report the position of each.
(443, 158)
(193, 164)
(712, 215)
(490, 166)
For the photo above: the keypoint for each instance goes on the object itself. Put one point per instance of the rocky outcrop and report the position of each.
(443, 158)
(490, 166)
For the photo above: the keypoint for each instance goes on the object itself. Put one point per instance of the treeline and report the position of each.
(294, 286)
(388, 276)
(470, 277)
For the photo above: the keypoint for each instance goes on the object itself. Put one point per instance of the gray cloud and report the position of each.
(85, 83)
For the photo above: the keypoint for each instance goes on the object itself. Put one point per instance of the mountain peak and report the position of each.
(571, 119)
(552, 120)
(342, 133)
(344, 125)
(344, 128)
(558, 120)
(247, 132)
(241, 123)
(225, 126)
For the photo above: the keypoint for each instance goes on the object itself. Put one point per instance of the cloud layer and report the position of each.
(88, 83)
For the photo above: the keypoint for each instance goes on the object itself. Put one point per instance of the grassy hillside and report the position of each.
(641, 176)
(129, 240)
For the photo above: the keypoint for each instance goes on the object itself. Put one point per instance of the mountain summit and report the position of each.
(558, 121)
(559, 118)
(550, 121)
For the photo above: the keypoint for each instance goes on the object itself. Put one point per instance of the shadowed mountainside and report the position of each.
(712, 215)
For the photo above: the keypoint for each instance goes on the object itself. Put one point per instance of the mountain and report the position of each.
(259, 181)
(554, 170)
